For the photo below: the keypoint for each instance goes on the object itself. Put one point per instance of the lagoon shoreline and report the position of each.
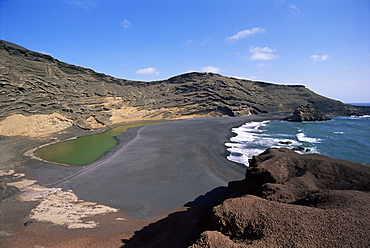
(179, 164)
(155, 156)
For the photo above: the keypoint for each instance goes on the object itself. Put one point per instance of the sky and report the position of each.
(322, 44)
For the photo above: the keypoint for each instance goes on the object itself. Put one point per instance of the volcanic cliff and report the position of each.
(41, 95)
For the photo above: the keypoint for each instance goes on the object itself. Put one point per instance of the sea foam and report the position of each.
(254, 137)
(303, 138)
(342, 137)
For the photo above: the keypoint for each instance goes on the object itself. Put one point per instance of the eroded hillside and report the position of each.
(41, 95)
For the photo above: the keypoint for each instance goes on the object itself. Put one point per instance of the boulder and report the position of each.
(285, 142)
(213, 239)
(307, 113)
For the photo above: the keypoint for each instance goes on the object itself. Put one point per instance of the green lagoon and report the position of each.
(84, 150)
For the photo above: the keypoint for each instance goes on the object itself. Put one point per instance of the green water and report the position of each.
(84, 150)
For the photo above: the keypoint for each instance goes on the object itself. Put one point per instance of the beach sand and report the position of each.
(159, 175)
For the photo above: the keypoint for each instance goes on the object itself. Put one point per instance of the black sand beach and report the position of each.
(157, 176)
(158, 168)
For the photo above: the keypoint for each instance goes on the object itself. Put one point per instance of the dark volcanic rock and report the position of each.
(6, 190)
(307, 113)
(251, 221)
(286, 176)
(293, 200)
(285, 142)
(32, 83)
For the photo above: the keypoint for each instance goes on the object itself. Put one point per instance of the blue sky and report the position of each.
(322, 44)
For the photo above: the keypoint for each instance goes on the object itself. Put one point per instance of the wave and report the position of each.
(303, 138)
(355, 117)
(242, 156)
(255, 137)
(360, 116)
(247, 132)
(341, 138)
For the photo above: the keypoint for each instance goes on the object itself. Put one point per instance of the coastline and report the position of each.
(177, 163)
(155, 156)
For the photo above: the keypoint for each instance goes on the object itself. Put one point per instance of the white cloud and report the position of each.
(262, 53)
(148, 71)
(260, 49)
(211, 69)
(246, 33)
(205, 41)
(263, 56)
(294, 9)
(324, 57)
(319, 58)
(126, 24)
(87, 5)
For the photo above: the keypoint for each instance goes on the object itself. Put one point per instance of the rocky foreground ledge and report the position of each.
(293, 200)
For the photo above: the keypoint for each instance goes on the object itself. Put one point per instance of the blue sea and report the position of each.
(346, 138)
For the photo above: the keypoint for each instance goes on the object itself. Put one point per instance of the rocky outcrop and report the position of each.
(6, 190)
(293, 200)
(37, 84)
(307, 113)
(283, 175)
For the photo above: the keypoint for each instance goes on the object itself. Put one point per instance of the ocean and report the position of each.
(346, 138)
